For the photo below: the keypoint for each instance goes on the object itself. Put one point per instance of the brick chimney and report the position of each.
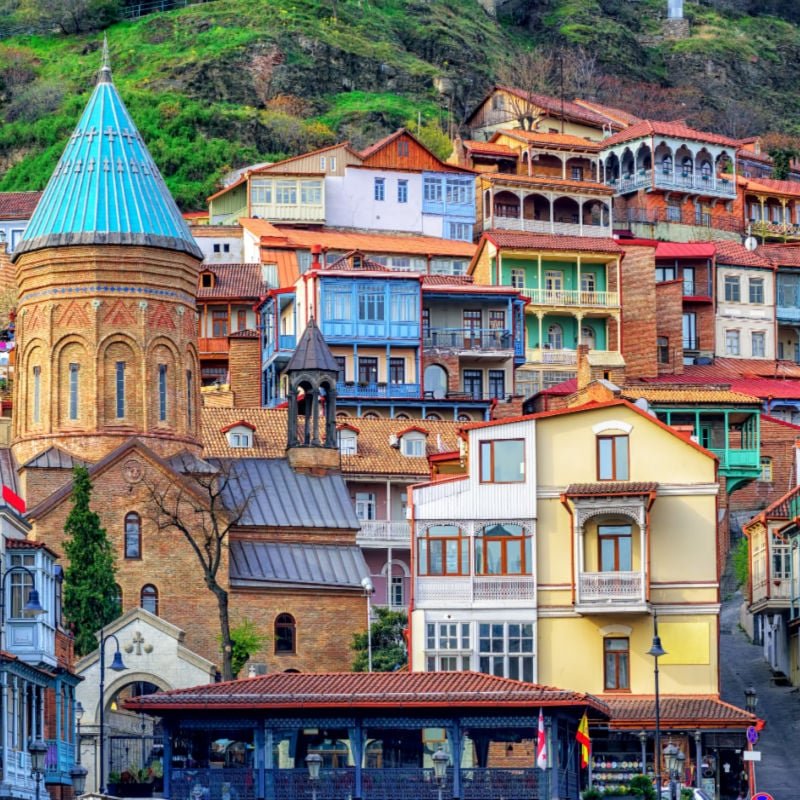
(584, 369)
(244, 368)
(316, 249)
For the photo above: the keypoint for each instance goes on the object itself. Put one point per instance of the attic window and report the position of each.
(348, 442)
(402, 147)
(207, 280)
(240, 436)
(412, 444)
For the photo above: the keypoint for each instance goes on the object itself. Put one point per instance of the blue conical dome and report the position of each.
(106, 188)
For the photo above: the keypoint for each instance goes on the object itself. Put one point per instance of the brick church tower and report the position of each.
(107, 278)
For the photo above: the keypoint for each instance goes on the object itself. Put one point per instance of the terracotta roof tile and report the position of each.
(18, 205)
(611, 487)
(617, 114)
(791, 188)
(552, 139)
(685, 250)
(233, 281)
(731, 252)
(783, 255)
(353, 689)
(446, 280)
(374, 453)
(490, 148)
(539, 180)
(556, 106)
(544, 241)
(686, 394)
(676, 711)
(675, 130)
(375, 243)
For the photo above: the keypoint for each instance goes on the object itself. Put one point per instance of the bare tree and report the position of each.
(204, 510)
(529, 74)
(582, 74)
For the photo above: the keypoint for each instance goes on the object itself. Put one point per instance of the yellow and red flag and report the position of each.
(583, 739)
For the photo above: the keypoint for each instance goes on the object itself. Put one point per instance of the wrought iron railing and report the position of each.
(610, 587)
(377, 389)
(398, 531)
(239, 783)
(571, 297)
(403, 783)
(468, 338)
(294, 784)
(491, 784)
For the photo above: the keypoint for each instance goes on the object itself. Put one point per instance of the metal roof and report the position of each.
(277, 496)
(329, 566)
(106, 188)
(55, 458)
(312, 351)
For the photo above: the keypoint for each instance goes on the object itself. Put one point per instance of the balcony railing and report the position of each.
(571, 297)
(217, 344)
(696, 288)
(472, 339)
(676, 216)
(59, 759)
(390, 531)
(609, 588)
(737, 459)
(289, 213)
(463, 591)
(547, 226)
(674, 179)
(378, 390)
(545, 355)
(17, 769)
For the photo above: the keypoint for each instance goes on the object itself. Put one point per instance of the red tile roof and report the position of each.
(555, 140)
(611, 112)
(551, 180)
(783, 255)
(791, 188)
(282, 690)
(675, 130)
(489, 148)
(676, 712)
(18, 205)
(557, 107)
(731, 252)
(611, 487)
(685, 250)
(546, 241)
(446, 280)
(234, 281)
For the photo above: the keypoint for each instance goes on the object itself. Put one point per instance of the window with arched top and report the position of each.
(118, 597)
(502, 549)
(285, 634)
(435, 381)
(555, 337)
(133, 535)
(148, 599)
(666, 164)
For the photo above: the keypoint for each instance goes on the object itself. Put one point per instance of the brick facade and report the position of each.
(639, 312)
(244, 370)
(669, 326)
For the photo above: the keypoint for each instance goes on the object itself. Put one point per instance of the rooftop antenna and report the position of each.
(105, 66)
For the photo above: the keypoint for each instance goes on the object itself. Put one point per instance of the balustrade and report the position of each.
(610, 587)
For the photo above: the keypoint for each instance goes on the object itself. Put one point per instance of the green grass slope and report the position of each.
(225, 83)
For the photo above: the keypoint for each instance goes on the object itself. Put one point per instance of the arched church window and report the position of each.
(149, 598)
(133, 535)
(285, 634)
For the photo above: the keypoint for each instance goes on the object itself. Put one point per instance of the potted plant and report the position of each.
(642, 786)
(591, 794)
(132, 782)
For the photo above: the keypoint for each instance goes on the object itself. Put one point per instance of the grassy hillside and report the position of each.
(221, 84)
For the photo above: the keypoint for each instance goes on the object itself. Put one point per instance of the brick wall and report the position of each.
(244, 369)
(669, 324)
(639, 312)
(37, 484)
(449, 361)
(779, 442)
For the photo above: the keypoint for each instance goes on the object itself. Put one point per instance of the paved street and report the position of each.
(741, 666)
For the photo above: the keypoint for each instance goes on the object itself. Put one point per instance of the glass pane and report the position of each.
(494, 565)
(513, 557)
(444, 530)
(610, 682)
(622, 662)
(423, 557)
(452, 557)
(625, 554)
(436, 559)
(622, 457)
(486, 461)
(607, 553)
(604, 453)
(509, 464)
(527, 669)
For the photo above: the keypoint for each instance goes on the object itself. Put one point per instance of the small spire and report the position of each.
(104, 76)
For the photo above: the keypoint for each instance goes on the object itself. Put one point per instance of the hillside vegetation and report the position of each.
(221, 84)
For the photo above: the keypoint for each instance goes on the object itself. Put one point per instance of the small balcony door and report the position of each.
(473, 383)
(615, 548)
(472, 328)
(690, 341)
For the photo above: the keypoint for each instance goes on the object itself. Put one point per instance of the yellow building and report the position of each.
(551, 558)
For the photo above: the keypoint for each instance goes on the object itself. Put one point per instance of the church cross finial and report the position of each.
(105, 66)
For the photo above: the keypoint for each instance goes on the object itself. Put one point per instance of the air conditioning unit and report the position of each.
(394, 441)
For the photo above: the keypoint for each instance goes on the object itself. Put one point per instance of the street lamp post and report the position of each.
(78, 774)
(440, 761)
(78, 711)
(37, 750)
(32, 606)
(313, 762)
(673, 760)
(656, 651)
(750, 703)
(118, 666)
(369, 590)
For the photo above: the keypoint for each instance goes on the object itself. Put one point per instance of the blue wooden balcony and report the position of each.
(378, 390)
(469, 339)
(58, 761)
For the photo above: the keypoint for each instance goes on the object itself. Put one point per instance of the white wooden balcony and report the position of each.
(567, 358)
(547, 226)
(16, 774)
(610, 591)
(573, 298)
(479, 590)
(384, 532)
(289, 212)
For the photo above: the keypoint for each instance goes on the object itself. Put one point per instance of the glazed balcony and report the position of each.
(770, 573)
(476, 590)
(381, 531)
(59, 760)
(286, 344)
(290, 212)
(570, 298)
(610, 592)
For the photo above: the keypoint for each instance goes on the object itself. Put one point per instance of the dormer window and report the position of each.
(413, 442)
(207, 280)
(240, 434)
(348, 440)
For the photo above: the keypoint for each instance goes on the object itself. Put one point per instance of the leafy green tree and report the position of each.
(246, 641)
(90, 592)
(389, 651)
(72, 16)
(741, 561)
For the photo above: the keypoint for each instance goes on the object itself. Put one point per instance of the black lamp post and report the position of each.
(440, 762)
(37, 750)
(118, 666)
(673, 760)
(78, 711)
(656, 650)
(78, 774)
(313, 762)
(750, 699)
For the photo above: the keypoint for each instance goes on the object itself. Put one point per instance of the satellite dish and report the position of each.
(751, 243)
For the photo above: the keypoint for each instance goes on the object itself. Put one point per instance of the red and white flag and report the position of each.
(13, 499)
(541, 744)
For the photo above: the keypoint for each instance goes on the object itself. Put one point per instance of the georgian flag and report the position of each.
(541, 744)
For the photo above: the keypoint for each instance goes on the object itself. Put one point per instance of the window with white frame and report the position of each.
(518, 278)
(459, 231)
(348, 442)
(413, 444)
(240, 436)
(311, 193)
(332, 163)
(366, 505)
(732, 347)
(756, 290)
(758, 344)
(766, 470)
(733, 292)
(505, 649)
(397, 594)
(432, 190)
(448, 646)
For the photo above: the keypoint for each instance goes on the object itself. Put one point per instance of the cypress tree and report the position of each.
(90, 593)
